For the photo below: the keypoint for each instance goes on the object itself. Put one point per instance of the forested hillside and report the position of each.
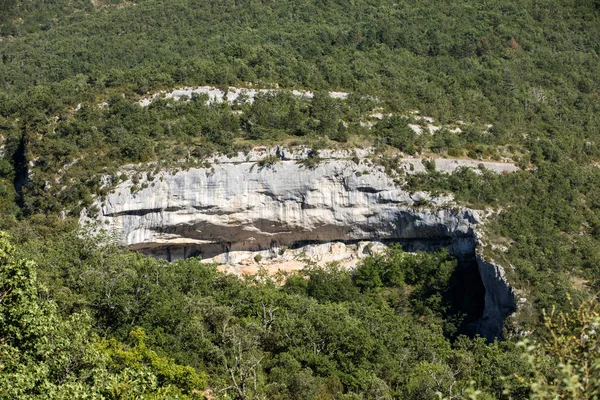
(519, 79)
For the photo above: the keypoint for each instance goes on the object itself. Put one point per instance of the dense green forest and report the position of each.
(83, 317)
(376, 334)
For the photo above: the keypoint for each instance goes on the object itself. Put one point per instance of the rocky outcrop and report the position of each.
(274, 199)
(231, 95)
(246, 205)
(499, 299)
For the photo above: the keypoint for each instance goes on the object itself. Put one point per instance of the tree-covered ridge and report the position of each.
(78, 152)
(515, 63)
(532, 73)
(21, 17)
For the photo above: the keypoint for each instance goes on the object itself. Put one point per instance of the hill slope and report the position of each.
(506, 79)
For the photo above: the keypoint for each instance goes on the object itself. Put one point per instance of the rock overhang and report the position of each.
(240, 204)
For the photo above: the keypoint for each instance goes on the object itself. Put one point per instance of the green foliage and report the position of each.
(397, 267)
(317, 336)
(50, 356)
(370, 274)
(548, 217)
(415, 57)
(429, 165)
(167, 372)
(312, 160)
(425, 283)
(565, 364)
(395, 132)
(329, 284)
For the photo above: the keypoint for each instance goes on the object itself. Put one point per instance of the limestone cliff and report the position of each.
(247, 205)
(499, 299)
(273, 198)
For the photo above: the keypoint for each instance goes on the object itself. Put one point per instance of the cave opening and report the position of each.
(21, 168)
(466, 296)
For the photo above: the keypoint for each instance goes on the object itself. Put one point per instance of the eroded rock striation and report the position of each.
(239, 204)
(274, 198)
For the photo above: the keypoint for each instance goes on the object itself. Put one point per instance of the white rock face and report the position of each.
(289, 214)
(2, 145)
(239, 205)
(449, 165)
(282, 259)
(233, 94)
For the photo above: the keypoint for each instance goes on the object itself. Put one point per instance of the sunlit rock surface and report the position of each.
(247, 205)
(271, 203)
